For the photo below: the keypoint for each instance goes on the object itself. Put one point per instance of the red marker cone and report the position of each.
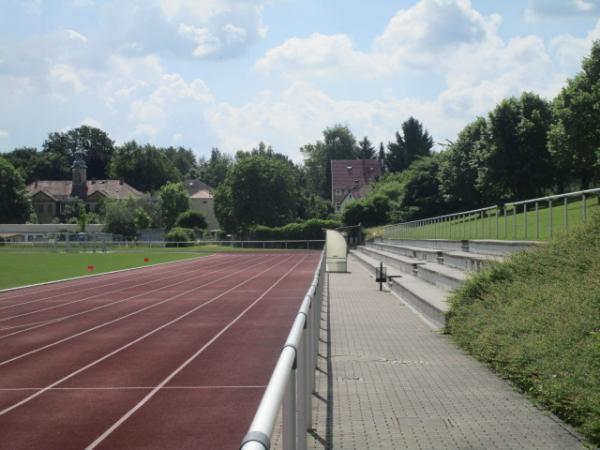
(146, 259)
(90, 268)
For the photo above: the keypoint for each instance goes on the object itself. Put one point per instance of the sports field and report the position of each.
(170, 356)
(19, 268)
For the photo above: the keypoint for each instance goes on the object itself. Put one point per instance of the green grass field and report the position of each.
(19, 268)
(532, 225)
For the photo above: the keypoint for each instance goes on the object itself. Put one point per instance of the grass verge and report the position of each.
(535, 320)
(21, 268)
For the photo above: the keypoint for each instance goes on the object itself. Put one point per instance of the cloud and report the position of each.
(91, 122)
(320, 55)
(208, 29)
(3, 134)
(540, 9)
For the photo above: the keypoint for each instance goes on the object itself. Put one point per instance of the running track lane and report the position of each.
(189, 379)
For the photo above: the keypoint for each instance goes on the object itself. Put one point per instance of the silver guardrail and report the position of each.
(513, 220)
(292, 383)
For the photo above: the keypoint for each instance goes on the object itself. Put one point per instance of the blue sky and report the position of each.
(230, 73)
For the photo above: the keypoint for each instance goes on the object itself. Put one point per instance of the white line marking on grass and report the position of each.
(172, 274)
(151, 394)
(84, 278)
(135, 341)
(96, 327)
(124, 280)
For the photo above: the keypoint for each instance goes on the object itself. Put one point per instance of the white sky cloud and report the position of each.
(195, 72)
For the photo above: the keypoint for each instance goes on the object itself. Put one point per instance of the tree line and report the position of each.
(525, 147)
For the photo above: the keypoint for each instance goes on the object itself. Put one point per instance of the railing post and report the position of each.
(497, 223)
(550, 217)
(584, 206)
(566, 202)
(514, 221)
(505, 223)
(307, 389)
(525, 215)
(537, 220)
(301, 394)
(289, 412)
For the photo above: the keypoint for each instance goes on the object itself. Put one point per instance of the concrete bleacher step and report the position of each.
(447, 278)
(400, 262)
(468, 261)
(429, 300)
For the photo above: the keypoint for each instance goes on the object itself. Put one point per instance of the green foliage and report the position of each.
(119, 218)
(214, 171)
(459, 167)
(183, 159)
(258, 190)
(414, 142)
(74, 207)
(574, 138)
(95, 143)
(141, 219)
(174, 201)
(312, 229)
(338, 143)
(15, 206)
(191, 219)
(515, 163)
(365, 149)
(146, 168)
(534, 319)
(179, 237)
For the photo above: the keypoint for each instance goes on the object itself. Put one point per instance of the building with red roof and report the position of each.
(351, 179)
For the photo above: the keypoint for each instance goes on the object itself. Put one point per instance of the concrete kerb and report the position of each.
(81, 277)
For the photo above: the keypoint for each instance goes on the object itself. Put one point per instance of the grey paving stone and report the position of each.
(388, 381)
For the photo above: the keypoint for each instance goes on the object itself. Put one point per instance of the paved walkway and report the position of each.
(388, 381)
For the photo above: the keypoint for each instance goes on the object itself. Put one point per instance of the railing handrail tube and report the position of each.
(487, 208)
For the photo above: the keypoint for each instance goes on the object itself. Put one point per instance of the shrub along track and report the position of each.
(175, 356)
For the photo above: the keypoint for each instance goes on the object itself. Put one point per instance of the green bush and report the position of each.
(191, 219)
(535, 319)
(311, 229)
(179, 237)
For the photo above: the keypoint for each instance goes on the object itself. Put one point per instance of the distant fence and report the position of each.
(60, 246)
(534, 219)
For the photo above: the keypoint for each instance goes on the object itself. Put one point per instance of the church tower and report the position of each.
(79, 187)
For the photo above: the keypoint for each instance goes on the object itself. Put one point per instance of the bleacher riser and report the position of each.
(438, 279)
(408, 268)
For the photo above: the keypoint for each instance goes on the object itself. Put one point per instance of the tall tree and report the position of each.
(14, 203)
(413, 143)
(182, 158)
(258, 190)
(365, 149)
(146, 167)
(460, 164)
(516, 162)
(338, 143)
(574, 137)
(214, 171)
(95, 143)
(174, 201)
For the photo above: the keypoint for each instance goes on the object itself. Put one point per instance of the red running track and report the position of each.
(174, 356)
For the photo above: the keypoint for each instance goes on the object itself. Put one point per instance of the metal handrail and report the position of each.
(293, 380)
(463, 225)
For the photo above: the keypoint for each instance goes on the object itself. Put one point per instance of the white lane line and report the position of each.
(151, 394)
(40, 324)
(131, 388)
(118, 319)
(70, 302)
(135, 341)
(119, 280)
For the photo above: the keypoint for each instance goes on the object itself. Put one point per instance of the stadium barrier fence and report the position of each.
(290, 389)
(514, 220)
